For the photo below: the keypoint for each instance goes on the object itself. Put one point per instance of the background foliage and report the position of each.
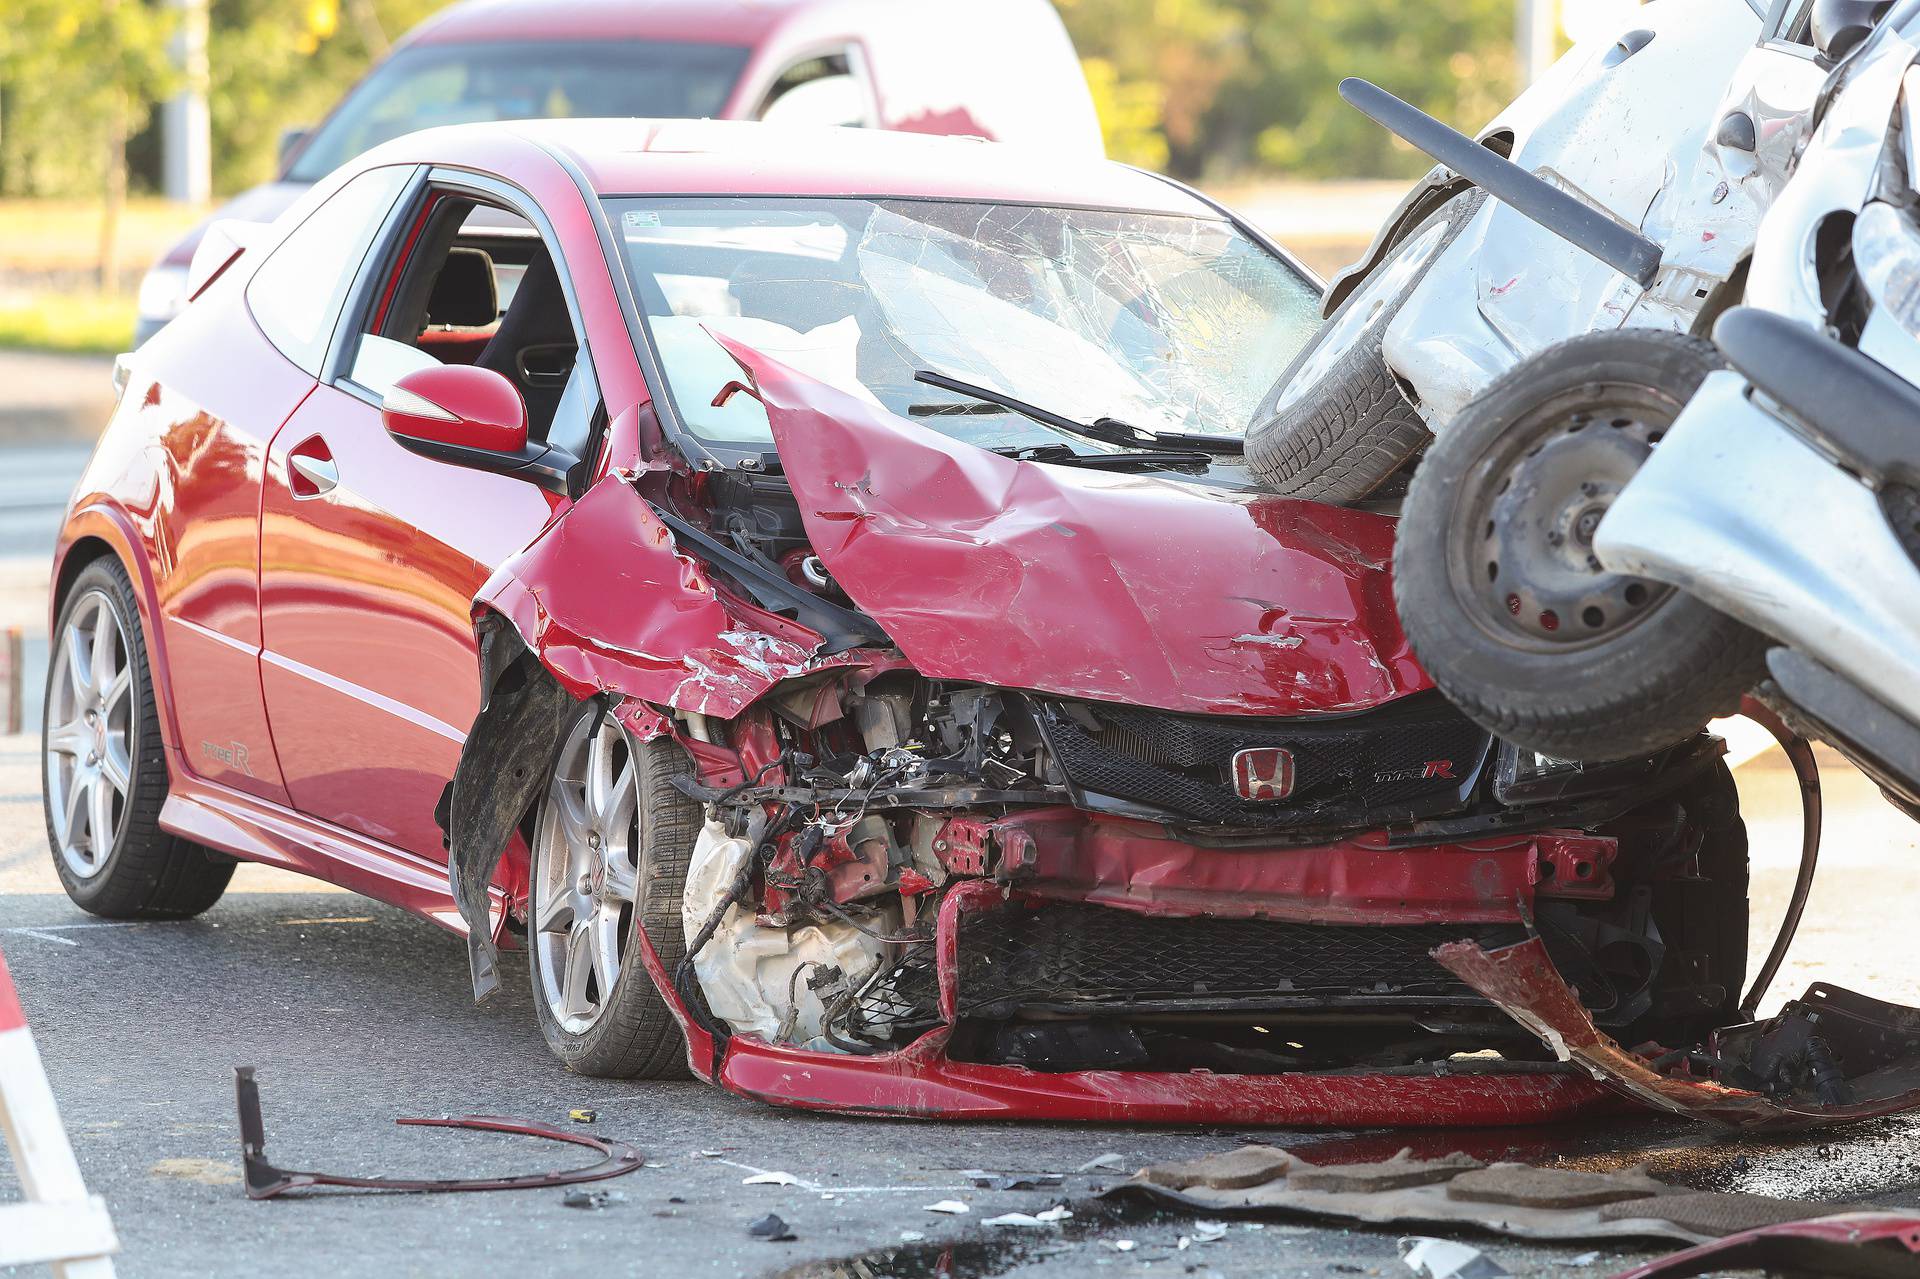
(1200, 88)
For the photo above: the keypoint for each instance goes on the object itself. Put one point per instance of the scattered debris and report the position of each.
(912, 1236)
(950, 1206)
(1229, 1170)
(771, 1179)
(1109, 1162)
(1448, 1259)
(1060, 1212)
(581, 1115)
(264, 1181)
(996, 1181)
(1209, 1231)
(772, 1229)
(591, 1199)
(1864, 1244)
(1016, 1219)
(1584, 1259)
(1122, 1245)
(1397, 1173)
(1509, 1198)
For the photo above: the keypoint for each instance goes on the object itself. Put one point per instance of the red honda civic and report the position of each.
(803, 589)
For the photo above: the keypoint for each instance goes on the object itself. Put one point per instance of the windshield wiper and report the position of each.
(1132, 459)
(1106, 430)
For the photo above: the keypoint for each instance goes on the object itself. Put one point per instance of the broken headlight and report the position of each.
(1522, 777)
(1886, 238)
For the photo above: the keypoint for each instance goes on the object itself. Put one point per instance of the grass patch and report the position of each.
(38, 236)
(91, 323)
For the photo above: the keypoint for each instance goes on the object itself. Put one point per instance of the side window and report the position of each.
(823, 89)
(296, 294)
(1789, 22)
(480, 287)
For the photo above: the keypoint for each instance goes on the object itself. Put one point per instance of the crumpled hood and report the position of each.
(1082, 584)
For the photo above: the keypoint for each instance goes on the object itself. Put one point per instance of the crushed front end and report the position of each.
(933, 898)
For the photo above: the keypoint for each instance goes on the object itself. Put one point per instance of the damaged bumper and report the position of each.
(1830, 1057)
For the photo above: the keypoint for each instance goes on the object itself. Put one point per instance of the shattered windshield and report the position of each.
(1167, 322)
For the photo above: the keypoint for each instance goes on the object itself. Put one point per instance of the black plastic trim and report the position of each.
(841, 628)
(1844, 403)
(1580, 225)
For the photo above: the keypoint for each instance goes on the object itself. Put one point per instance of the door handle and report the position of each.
(312, 469)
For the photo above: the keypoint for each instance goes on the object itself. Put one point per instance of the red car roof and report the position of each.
(726, 157)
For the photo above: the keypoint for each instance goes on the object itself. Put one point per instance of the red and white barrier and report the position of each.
(59, 1222)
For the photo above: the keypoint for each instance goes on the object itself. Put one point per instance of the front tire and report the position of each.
(1336, 427)
(611, 846)
(1497, 586)
(104, 765)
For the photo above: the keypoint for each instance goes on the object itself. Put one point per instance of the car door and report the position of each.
(371, 554)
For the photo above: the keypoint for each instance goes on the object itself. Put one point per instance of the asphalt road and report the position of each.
(354, 1014)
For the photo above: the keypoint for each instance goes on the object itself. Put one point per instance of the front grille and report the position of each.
(1068, 958)
(1408, 760)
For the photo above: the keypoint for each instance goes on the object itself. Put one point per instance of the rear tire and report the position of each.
(104, 765)
(1503, 601)
(611, 846)
(1336, 425)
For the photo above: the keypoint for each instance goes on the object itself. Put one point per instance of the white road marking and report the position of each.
(45, 931)
(801, 1184)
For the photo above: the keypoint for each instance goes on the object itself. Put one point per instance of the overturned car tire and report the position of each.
(1335, 427)
(609, 855)
(1498, 588)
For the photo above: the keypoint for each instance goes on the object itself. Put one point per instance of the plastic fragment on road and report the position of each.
(1109, 1162)
(771, 1179)
(771, 1228)
(1448, 1259)
(952, 1207)
(591, 1199)
(584, 1116)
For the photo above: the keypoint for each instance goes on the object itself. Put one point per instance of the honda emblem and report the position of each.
(1263, 773)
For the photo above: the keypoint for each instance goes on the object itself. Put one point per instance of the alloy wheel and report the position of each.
(90, 718)
(586, 872)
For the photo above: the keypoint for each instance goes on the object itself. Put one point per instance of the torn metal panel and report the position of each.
(1859, 1245)
(609, 603)
(985, 568)
(1829, 1058)
(1511, 1199)
(264, 1181)
(505, 763)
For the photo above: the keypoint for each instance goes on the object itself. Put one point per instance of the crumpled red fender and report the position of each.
(1116, 588)
(609, 604)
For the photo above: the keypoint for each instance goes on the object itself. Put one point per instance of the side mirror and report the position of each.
(471, 417)
(1838, 26)
(290, 140)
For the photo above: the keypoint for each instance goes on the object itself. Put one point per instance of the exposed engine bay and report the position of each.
(1052, 843)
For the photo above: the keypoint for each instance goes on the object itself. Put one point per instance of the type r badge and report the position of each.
(1263, 773)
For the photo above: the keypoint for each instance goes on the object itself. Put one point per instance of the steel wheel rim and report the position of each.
(586, 873)
(89, 738)
(1521, 559)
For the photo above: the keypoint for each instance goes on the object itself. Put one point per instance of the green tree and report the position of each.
(80, 78)
(1223, 86)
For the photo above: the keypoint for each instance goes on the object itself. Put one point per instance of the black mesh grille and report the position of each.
(903, 1000)
(1066, 956)
(1407, 759)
